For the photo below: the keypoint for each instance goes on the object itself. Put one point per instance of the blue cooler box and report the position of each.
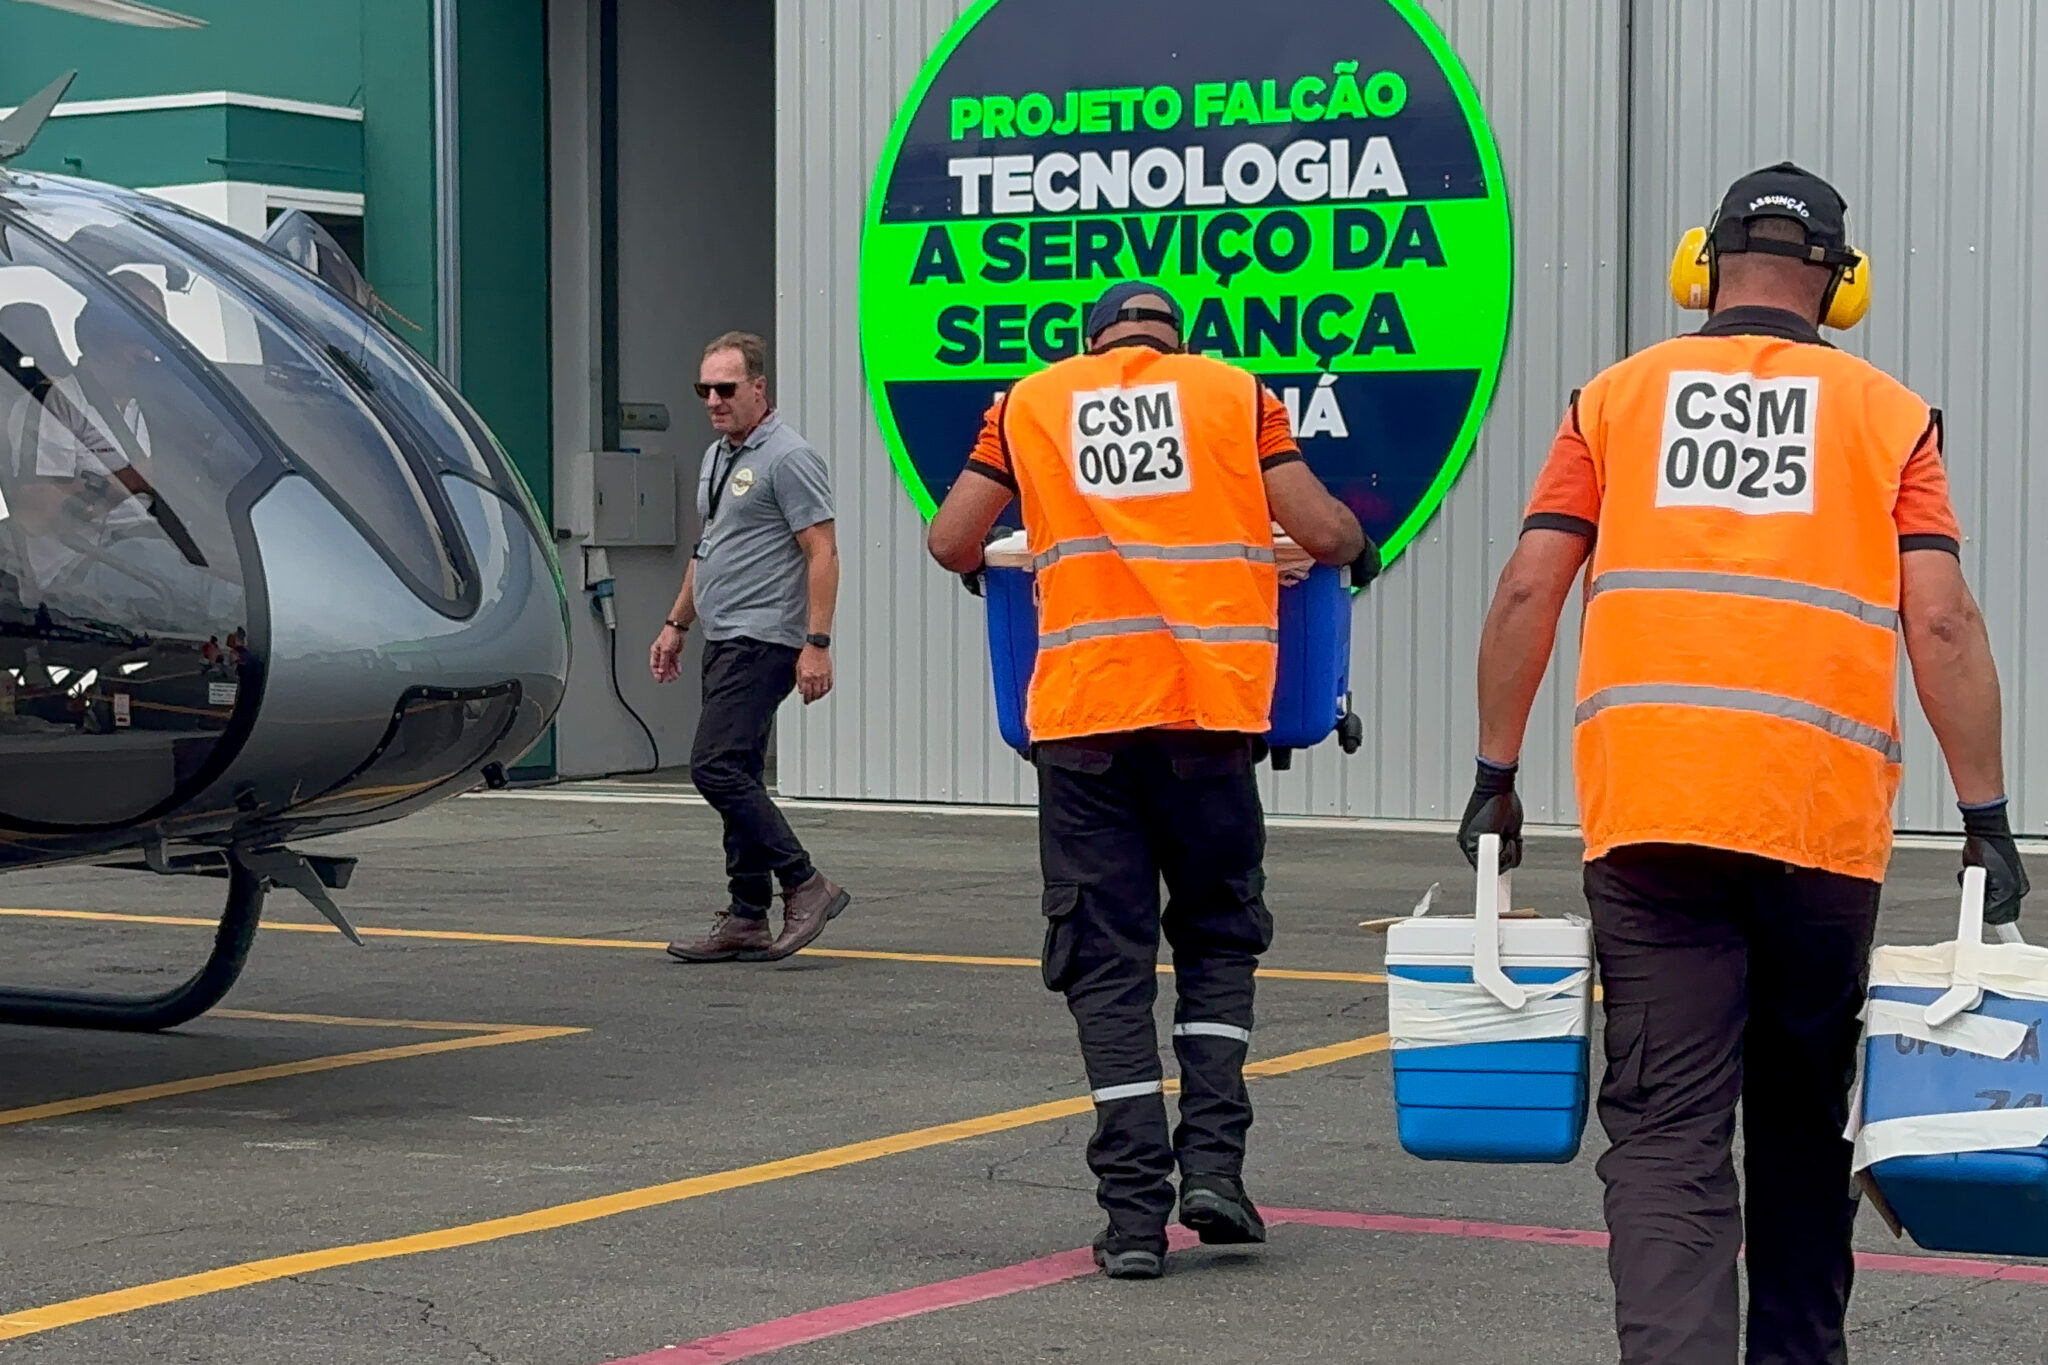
(1315, 652)
(1981, 1202)
(1507, 1097)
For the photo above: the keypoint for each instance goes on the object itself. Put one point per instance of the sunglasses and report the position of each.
(724, 390)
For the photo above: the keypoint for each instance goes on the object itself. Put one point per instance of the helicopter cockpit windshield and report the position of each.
(124, 603)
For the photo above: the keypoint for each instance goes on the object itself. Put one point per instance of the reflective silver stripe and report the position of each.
(1739, 699)
(1095, 630)
(1228, 635)
(1206, 1030)
(1145, 625)
(1257, 554)
(1089, 545)
(1747, 585)
(1127, 1092)
(1102, 545)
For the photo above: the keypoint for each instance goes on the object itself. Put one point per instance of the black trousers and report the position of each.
(1116, 814)
(744, 682)
(1728, 977)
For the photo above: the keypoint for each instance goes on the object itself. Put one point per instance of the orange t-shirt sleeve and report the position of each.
(991, 453)
(1276, 435)
(1567, 496)
(1925, 516)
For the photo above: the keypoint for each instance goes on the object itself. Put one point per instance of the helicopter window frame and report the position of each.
(492, 468)
(402, 436)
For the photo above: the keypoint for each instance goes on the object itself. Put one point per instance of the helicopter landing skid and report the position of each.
(146, 1013)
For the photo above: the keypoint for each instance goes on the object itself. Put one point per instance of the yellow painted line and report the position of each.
(251, 1075)
(637, 945)
(1290, 974)
(357, 1021)
(92, 1307)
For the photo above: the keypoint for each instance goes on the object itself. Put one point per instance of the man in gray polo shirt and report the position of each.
(763, 581)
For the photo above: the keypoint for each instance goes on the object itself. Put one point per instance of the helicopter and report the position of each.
(265, 575)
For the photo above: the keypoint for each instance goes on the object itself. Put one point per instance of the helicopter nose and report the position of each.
(337, 599)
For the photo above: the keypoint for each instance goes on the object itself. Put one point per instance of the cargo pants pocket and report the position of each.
(1625, 1038)
(1057, 961)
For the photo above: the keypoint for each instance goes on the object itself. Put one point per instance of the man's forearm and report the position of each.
(685, 610)
(824, 586)
(1521, 628)
(1957, 680)
(1514, 651)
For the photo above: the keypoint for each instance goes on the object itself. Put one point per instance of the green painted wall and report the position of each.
(395, 53)
(290, 49)
(503, 126)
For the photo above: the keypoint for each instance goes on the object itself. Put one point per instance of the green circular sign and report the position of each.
(1316, 185)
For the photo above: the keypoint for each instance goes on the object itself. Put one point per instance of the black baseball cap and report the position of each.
(1784, 191)
(1113, 307)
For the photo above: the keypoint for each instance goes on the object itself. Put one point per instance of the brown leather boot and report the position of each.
(805, 910)
(732, 938)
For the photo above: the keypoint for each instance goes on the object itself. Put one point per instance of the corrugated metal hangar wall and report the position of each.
(1619, 122)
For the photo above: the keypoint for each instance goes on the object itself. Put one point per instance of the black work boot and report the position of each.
(1130, 1256)
(1219, 1211)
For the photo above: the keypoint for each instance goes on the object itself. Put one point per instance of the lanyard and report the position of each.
(718, 482)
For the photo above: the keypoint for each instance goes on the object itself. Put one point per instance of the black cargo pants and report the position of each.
(1728, 977)
(1116, 814)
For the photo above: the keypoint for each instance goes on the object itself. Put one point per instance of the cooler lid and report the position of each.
(1013, 551)
(1439, 940)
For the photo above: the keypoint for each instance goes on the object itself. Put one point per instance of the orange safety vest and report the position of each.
(1145, 508)
(1738, 667)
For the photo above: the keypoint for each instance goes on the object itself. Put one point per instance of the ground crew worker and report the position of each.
(1149, 482)
(1762, 513)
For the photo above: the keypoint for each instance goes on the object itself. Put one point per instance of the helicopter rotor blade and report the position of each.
(19, 128)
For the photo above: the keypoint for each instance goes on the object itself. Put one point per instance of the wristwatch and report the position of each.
(818, 640)
(674, 624)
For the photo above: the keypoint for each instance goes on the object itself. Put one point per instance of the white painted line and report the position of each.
(200, 99)
(595, 795)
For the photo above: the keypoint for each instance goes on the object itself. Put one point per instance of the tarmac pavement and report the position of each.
(576, 1152)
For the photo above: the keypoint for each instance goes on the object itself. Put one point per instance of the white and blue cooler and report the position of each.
(1490, 1022)
(1950, 1124)
(1312, 682)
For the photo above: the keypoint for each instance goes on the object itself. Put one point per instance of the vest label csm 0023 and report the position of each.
(1129, 443)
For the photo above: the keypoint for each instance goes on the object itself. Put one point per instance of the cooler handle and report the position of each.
(1965, 994)
(1495, 893)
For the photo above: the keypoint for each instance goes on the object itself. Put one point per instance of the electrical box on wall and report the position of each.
(633, 493)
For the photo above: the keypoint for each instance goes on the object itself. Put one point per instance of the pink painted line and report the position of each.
(1570, 1237)
(1944, 1265)
(840, 1319)
(1439, 1227)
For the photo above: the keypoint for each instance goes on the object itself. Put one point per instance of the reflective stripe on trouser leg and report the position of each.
(1131, 1152)
(1211, 1038)
(1110, 994)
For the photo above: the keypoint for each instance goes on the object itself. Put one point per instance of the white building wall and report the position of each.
(1619, 122)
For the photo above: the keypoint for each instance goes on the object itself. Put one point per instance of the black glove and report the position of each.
(1493, 809)
(1989, 844)
(973, 582)
(1367, 566)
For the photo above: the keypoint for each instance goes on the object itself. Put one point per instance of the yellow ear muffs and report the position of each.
(1848, 298)
(1692, 271)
